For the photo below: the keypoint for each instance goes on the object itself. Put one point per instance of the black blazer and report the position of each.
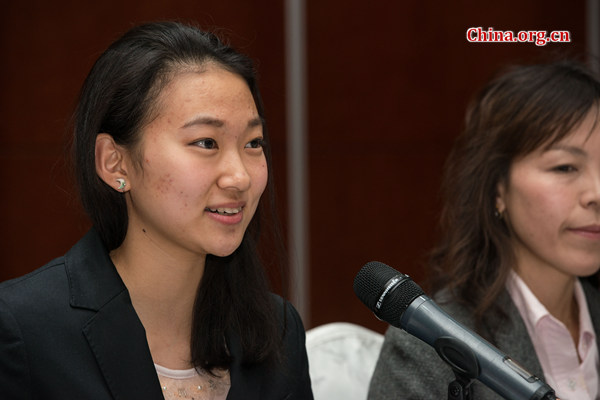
(69, 331)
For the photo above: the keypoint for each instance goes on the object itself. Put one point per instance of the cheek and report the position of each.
(158, 175)
(175, 181)
(260, 177)
(537, 209)
(164, 184)
(543, 200)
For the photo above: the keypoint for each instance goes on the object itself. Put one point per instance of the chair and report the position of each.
(342, 357)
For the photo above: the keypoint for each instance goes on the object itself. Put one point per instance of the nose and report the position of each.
(591, 195)
(234, 174)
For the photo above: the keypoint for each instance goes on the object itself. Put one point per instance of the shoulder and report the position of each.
(288, 316)
(292, 330)
(52, 299)
(27, 306)
(408, 365)
(289, 377)
(35, 276)
(39, 288)
(37, 303)
(84, 261)
(457, 310)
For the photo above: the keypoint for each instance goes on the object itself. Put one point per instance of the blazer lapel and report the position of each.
(592, 296)
(118, 340)
(513, 339)
(115, 334)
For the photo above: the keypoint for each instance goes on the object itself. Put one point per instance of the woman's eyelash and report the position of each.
(256, 143)
(206, 143)
(565, 168)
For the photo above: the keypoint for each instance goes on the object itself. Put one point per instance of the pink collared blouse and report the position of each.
(571, 372)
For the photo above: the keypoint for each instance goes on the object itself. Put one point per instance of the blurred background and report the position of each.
(363, 102)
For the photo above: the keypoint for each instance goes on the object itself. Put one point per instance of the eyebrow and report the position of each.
(218, 123)
(569, 149)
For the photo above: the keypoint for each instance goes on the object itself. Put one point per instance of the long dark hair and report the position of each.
(516, 113)
(119, 97)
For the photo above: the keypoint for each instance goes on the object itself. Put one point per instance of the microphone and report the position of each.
(396, 299)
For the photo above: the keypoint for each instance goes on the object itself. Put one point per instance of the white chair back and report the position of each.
(342, 357)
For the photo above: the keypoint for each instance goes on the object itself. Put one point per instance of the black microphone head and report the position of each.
(385, 291)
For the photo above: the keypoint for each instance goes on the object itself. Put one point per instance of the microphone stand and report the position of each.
(460, 388)
(464, 364)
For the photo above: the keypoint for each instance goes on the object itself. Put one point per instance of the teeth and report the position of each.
(225, 211)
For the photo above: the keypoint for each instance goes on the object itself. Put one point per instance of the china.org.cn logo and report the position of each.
(540, 38)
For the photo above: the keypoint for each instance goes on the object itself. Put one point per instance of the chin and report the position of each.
(224, 251)
(588, 272)
(221, 254)
(586, 269)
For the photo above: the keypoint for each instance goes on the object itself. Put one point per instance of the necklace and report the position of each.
(193, 385)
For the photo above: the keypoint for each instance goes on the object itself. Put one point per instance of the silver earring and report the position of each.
(497, 213)
(121, 183)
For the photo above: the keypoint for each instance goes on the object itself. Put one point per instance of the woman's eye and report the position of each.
(565, 168)
(206, 143)
(255, 144)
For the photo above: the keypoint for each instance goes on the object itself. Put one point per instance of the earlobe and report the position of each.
(110, 162)
(500, 193)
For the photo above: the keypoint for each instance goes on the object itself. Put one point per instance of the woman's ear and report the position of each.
(111, 165)
(500, 197)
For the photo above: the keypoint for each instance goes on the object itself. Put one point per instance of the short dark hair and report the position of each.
(516, 113)
(119, 97)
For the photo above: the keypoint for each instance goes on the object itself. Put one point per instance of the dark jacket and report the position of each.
(69, 331)
(410, 369)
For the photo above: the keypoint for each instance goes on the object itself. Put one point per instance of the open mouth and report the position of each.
(224, 211)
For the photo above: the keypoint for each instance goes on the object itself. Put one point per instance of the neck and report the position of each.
(557, 293)
(163, 291)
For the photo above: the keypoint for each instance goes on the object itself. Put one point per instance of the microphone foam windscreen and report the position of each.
(370, 284)
(370, 281)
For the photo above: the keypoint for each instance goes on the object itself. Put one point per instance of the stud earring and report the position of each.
(497, 213)
(121, 183)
